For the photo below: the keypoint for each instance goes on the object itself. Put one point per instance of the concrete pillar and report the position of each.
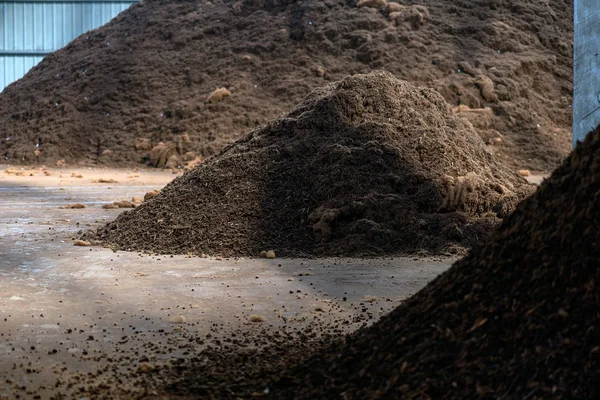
(586, 69)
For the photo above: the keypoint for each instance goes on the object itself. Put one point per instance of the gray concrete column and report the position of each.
(586, 69)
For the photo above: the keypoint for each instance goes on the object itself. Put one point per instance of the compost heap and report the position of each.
(368, 165)
(517, 318)
(139, 88)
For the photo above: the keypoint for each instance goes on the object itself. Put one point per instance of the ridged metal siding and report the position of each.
(31, 29)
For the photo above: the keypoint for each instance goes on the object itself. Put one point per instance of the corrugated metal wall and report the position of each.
(30, 29)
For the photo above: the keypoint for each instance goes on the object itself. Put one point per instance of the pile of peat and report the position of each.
(517, 318)
(365, 166)
(117, 92)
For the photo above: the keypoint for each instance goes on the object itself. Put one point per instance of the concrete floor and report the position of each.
(66, 310)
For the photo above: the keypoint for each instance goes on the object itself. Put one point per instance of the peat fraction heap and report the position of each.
(368, 165)
(516, 318)
(139, 88)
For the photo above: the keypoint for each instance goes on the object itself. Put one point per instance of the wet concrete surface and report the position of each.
(69, 311)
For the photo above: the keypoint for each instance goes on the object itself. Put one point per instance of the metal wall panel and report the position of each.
(30, 29)
(14, 67)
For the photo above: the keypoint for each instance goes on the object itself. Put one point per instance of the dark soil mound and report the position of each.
(117, 92)
(368, 165)
(517, 318)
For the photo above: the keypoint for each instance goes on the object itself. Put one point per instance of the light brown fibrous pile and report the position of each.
(367, 165)
(117, 92)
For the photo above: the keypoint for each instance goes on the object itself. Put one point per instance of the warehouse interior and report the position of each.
(299, 199)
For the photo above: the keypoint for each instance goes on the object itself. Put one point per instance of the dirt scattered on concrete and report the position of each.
(368, 165)
(218, 95)
(177, 319)
(73, 206)
(105, 180)
(256, 318)
(121, 204)
(143, 81)
(158, 363)
(15, 172)
(151, 194)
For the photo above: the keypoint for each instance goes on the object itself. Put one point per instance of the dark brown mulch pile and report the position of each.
(118, 91)
(368, 165)
(518, 318)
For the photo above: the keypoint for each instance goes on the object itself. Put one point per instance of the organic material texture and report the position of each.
(145, 78)
(367, 165)
(517, 318)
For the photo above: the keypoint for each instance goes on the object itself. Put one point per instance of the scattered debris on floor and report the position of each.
(73, 206)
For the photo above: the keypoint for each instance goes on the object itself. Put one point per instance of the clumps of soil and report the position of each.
(177, 319)
(371, 3)
(268, 254)
(524, 172)
(117, 92)
(486, 85)
(145, 368)
(256, 318)
(73, 206)
(123, 204)
(413, 16)
(15, 172)
(151, 194)
(169, 155)
(105, 180)
(367, 165)
(218, 95)
(517, 318)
